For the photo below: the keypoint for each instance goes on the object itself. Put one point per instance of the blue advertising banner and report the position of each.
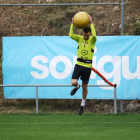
(51, 59)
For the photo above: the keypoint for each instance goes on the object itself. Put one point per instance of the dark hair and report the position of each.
(87, 29)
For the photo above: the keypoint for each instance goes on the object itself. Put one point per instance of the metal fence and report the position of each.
(37, 110)
(54, 18)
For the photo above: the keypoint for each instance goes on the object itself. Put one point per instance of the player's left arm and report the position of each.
(93, 32)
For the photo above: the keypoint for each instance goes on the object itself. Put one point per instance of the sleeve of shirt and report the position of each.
(72, 35)
(93, 32)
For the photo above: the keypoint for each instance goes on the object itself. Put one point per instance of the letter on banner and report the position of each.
(74, 61)
(68, 67)
(34, 63)
(93, 74)
(125, 68)
(116, 73)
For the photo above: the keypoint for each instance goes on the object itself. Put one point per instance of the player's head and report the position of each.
(86, 33)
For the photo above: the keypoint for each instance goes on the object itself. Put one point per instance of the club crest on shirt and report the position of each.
(84, 52)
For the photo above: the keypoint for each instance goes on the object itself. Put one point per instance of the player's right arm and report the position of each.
(72, 35)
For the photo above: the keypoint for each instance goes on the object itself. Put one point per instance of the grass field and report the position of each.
(69, 127)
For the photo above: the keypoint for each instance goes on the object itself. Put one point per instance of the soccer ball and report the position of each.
(81, 20)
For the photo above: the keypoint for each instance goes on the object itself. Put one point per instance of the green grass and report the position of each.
(69, 127)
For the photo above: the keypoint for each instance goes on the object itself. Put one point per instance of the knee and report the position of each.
(74, 82)
(84, 87)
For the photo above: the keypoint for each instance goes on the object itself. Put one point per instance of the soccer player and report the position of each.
(85, 51)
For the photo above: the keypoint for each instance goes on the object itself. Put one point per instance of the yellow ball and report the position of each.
(81, 20)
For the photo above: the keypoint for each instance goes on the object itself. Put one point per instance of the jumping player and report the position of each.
(85, 51)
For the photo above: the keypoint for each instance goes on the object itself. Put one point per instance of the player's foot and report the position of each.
(74, 91)
(81, 110)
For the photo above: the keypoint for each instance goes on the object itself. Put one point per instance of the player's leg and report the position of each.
(85, 79)
(84, 92)
(84, 95)
(74, 80)
(77, 86)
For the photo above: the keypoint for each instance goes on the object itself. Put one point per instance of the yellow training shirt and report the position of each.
(85, 49)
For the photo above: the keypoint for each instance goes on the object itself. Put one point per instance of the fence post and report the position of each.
(122, 33)
(121, 106)
(36, 99)
(115, 100)
(122, 16)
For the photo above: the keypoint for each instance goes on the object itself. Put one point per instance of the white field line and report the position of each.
(37, 123)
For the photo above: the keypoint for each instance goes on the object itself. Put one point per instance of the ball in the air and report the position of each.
(81, 20)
